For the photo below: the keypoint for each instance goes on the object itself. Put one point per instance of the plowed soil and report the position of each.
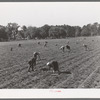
(83, 65)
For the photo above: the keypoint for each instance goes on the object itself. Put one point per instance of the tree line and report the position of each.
(13, 31)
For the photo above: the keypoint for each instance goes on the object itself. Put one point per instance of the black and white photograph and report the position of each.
(49, 45)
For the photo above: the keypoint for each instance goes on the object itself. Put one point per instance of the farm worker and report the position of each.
(11, 49)
(45, 45)
(19, 45)
(32, 63)
(54, 65)
(35, 54)
(85, 46)
(46, 42)
(68, 47)
(62, 48)
(39, 43)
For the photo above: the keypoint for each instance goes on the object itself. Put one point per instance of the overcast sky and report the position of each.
(51, 13)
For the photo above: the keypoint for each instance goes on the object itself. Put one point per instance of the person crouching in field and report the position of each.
(62, 48)
(39, 43)
(54, 65)
(32, 62)
(68, 48)
(85, 47)
(36, 54)
(19, 45)
(11, 49)
(45, 44)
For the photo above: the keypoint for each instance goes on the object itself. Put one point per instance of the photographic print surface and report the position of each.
(50, 45)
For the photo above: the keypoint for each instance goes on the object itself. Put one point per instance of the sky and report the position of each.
(51, 13)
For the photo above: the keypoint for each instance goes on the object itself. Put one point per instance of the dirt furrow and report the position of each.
(81, 68)
(81, 74)
(85, 59)
(80, 62)
(61, 80)
(90, 79)
(38, 65)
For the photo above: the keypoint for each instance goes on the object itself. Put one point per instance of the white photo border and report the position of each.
(49, 94)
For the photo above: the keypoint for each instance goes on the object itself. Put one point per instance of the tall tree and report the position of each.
(44, 31)
(70, 30)
(33, 32)
(3, 34)
(86, 30)
(57, 32)
(77, 31)
(94, 29)
(12, 30)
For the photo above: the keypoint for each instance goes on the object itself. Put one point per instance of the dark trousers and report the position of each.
(32, 64)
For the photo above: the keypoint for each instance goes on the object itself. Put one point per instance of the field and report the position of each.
(83, 65)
